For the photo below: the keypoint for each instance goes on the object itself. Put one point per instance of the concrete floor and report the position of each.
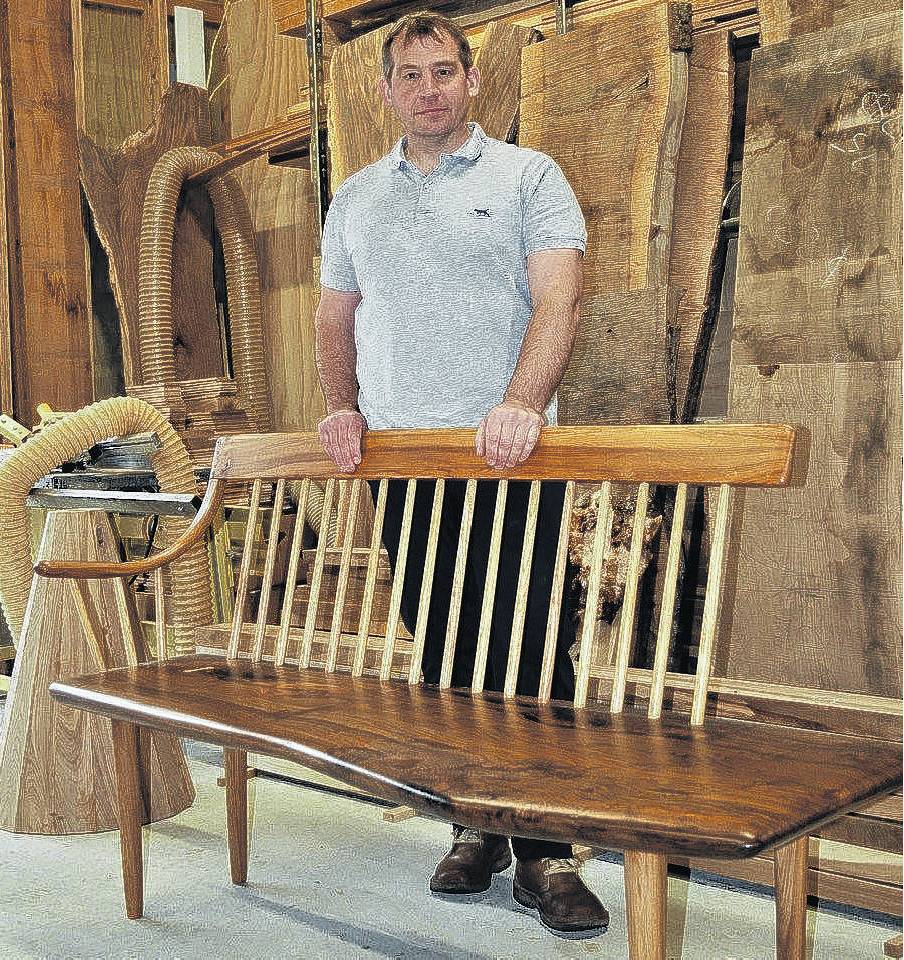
(329, 878)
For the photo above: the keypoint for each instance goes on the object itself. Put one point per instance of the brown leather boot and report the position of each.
(554, 887)
(469, 866)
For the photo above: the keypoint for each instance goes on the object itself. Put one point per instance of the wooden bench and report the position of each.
(646, 782)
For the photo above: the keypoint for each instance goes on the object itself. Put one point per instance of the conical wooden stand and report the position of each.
(56, 762)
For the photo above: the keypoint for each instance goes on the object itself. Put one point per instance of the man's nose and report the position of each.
(429, 86)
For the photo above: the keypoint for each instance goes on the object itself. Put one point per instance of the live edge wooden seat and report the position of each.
(649, 783)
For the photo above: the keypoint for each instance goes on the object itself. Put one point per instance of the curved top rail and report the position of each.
(733, 453)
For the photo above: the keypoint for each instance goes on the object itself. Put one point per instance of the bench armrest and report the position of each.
(96, 570)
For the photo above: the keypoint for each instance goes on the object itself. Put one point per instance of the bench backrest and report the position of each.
(721, 455)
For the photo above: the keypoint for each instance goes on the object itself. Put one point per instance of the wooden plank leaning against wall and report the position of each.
(264, 75)
(817, 338)
(49, 317)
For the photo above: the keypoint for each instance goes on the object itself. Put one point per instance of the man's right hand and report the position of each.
(341, 433)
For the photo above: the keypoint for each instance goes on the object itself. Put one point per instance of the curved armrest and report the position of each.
(97, 570)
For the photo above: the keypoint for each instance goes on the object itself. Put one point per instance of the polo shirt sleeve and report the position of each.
(551, 215)
(336, 268)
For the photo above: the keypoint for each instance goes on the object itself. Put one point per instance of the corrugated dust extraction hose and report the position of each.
(155, 272)
(70, 437)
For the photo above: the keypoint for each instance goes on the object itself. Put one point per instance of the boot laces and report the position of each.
(562, 865)
(465, 834)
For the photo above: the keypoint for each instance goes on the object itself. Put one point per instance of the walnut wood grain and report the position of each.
(745, 454)
(726, 790)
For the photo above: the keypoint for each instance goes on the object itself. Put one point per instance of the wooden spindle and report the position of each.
(601, 539)
(307, 641)
(241, 594)
(711, 606)
(285, 618)
(423, 605)
(395, 600)
(345, 563)
(458, 585)
(263, 604)
(373, 564)
(160, 615)
(555, 597)
(489, 591)
(632, 579)
(222, 569)
(520, 614)
(667, 612)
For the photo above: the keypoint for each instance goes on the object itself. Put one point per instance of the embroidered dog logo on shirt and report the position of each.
(480, 212)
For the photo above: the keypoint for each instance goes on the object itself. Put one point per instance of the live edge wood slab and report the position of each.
(727, 789)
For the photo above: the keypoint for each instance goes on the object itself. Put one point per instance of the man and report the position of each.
(451, 278)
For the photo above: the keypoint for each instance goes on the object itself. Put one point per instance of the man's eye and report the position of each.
(409, 76)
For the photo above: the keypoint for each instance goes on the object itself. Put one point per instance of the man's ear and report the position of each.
(473, 82)
(384, 89)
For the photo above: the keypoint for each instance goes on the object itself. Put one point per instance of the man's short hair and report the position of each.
(425, 24)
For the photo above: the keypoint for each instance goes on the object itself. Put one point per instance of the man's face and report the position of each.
(429, 89)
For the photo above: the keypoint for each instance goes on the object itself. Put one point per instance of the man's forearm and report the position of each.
(334, 346)
(545, 353)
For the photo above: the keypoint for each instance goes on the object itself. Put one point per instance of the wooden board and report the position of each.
(821, 883)
(621, 370)
(356, 16)
(718, 792)
(759, 453)
(783, 19)
(115, 184)
(116, 96)
(596, 101)
(702, 162)
(51, 324)
(56, 764)
(815, 595)
(7, 226)
(362, 128)
(819, 256)
(267, 74)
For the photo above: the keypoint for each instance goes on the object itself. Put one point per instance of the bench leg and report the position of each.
(646, 896)
(235, 763)
(131, 814)
(791, 862)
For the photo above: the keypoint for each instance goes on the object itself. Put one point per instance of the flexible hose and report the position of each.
(155, 277)
(314, 510)
(115, 417)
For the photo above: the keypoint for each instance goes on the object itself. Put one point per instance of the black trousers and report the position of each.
(544, 553)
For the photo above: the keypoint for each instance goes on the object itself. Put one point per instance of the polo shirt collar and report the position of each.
(469, 150)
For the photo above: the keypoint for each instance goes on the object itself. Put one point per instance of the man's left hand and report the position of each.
(508, 433)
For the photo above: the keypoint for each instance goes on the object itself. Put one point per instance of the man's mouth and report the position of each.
(433, 110)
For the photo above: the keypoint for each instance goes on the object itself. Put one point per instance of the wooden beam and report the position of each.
(268, 74)
(8, 231)
(212, 9)
(293, 134)
(51, 325)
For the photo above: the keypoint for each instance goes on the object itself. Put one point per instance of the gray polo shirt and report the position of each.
(440, 262)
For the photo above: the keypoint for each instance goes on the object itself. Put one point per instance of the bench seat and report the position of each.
(729, 789)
